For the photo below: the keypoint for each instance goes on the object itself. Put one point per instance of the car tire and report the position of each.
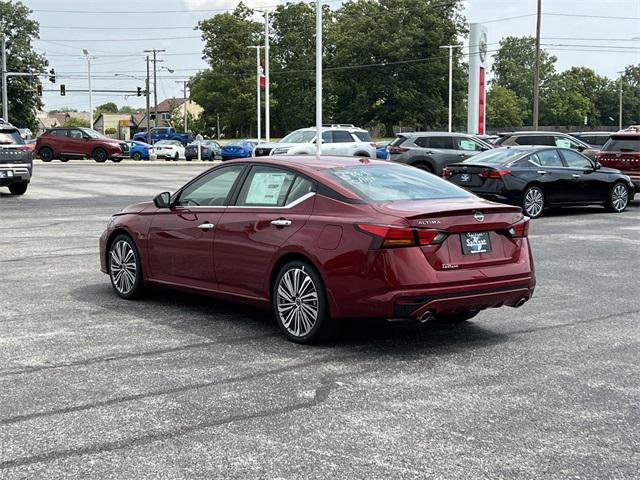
(99, 155)
(137, 156)
(45, 154)
(533, 201)
(64, 160)
(18, 188)
(618, 198)
(116, 159)
(123, 257)
(424, 166)
(300, 304)
(176, 157)
(457, 317)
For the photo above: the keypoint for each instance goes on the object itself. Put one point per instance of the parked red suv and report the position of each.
(65, 143)
(622, 151)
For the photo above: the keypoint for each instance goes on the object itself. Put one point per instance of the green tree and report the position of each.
(19, 31)
(504, 108)
(228, 86)
(76, 122)
(108, 107)
(407, 80)
(513, 68)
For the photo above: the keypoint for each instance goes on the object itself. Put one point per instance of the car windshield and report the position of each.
(498, 156)
(622, 144)
(92, 133)
(10, 137)
(388, 183)
(299, 136)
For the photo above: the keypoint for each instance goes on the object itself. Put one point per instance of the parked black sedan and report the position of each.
(539, 177)
(209, 150)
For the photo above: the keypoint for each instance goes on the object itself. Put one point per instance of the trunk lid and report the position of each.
(471, 224)
(474, 176)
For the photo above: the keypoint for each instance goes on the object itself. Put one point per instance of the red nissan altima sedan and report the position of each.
(320, 239)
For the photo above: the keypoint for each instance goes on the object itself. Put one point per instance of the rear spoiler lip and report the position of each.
(487, 210)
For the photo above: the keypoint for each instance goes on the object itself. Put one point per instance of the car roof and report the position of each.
(592, 133)
(531, 132)
(434, 134)
(325, 128)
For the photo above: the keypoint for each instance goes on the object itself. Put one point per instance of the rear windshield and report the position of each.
(10, 137)
(498, 156)
(363, 136)
(627, 144)
(387, 183)
(299, 136)
(397, 141)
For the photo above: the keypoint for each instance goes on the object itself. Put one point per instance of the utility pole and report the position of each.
(536, 75)
(5, 95)
(267, 126)
(218, 126)
(318, 78)
(450, 47)
(184, 104)
(258, 102)
(86, 54)
(155, 82)
(620, 103)
(148, 108)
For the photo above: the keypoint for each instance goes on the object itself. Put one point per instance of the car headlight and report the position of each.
(279, 151)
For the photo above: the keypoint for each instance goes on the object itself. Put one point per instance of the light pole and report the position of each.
(86, 54)
(258, 106)
(536, 75)
(620, 103)
(267, 126)
(5, 95)
(450, 47)
(318, 78)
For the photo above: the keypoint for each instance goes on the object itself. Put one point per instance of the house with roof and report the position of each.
(169, 105)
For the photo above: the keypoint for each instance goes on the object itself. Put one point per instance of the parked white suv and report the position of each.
(337, 139)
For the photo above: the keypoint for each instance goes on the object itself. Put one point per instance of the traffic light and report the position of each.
(139, 91)
(52, 75)
(39, 89)
(63, 90)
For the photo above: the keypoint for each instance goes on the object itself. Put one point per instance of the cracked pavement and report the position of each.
(183, 386)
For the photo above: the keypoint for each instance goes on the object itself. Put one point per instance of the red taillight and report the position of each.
(495, 173)
(392, 236)
(519, 229)
(23, 147)
(397, 149)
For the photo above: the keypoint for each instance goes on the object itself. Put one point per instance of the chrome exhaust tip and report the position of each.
(426, 316)
(520, 302)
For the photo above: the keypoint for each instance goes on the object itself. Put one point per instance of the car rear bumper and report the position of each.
(14, 173)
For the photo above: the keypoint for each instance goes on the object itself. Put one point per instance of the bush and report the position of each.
(110, 131)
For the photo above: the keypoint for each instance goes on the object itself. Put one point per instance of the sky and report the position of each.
(600, 34)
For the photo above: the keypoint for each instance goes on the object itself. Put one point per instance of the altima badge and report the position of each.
(479, 216)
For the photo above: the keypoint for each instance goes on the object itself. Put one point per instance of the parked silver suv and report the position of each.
(16, 160)
(432, 151)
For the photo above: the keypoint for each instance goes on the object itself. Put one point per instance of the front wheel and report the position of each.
(18, 188)
(100, 155)
(124, 266)
(176, 157)
(533, 201)
(300, 303)
(618, 198)
(137, 156)
(45, 154)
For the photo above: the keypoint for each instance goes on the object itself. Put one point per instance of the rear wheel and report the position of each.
(124, 267)
(618, 198)
(45, 154)
(424, 166)
(116, 159)
(64, 160)
(137, 156)
(18, 188)
(300, 303)
(176, 157)
(99, 155)
(533, 201)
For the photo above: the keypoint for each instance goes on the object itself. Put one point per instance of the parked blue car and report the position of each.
(238, 149)
(138, 150)
(381, 150)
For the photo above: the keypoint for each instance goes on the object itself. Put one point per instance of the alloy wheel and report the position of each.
(619, 197)
(533, 202)
(297, 302)
(122, 267)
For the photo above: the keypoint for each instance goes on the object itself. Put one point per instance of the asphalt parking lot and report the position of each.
(181, 386)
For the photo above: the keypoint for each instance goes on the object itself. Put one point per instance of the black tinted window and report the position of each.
(399, 140)
(363, 136)
(575, 160)
(340, 136)
(628, 144)
(535, 140)
(440, 142)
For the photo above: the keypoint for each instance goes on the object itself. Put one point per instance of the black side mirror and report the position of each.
(581, 148)
(597, 166)
(162, 200)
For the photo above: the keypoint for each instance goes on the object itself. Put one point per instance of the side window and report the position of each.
(212, 189)
(59, 133)
(575, 160)
(265, 187)
(468, 144)
(564, 142)
(445, 143)
(301, 186)
(340, 136)
(420, 141)
(77, 134)
(548, 158)
(327, 137)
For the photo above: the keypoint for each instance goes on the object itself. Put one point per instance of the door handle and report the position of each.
(281, 222)
(575, 175)
(206, 226)
(542, 172)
